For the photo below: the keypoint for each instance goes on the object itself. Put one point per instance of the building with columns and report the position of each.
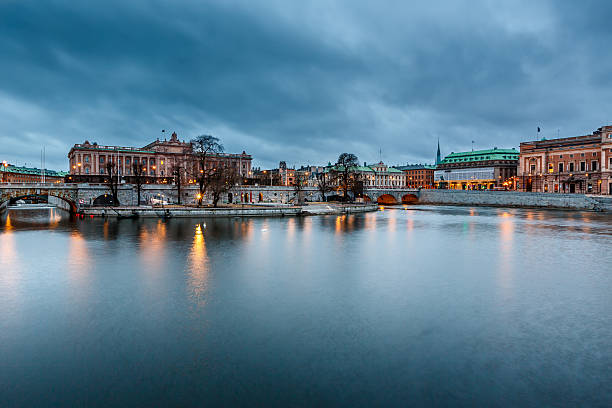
(88, 161)
(580, 164)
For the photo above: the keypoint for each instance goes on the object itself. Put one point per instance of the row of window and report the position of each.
(143, 160)
(570, 168)
(581, 155)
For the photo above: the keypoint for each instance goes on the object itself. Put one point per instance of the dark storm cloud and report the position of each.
(300, 82)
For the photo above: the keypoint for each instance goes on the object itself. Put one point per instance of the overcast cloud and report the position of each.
(301, 81)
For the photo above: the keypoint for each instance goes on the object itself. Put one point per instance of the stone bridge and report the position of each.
(71, 197)
(392, 195)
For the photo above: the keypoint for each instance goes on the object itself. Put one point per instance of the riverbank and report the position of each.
(248, 210)
(516, 199)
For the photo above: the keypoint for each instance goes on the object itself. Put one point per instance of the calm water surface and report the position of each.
(445, 306)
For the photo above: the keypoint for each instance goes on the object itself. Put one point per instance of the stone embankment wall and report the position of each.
(246, 211)
(510, 199)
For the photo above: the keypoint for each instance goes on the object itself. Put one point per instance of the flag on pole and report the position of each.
(538, 129)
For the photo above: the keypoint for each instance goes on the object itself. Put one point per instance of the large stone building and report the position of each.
(16, 174)
(581, 164)
(419, 175)
(88, 161)
(377, 175)
(478, 170)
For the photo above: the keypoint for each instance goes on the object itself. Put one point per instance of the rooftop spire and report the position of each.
(438, 158)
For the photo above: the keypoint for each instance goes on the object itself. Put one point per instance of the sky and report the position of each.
(301, 81)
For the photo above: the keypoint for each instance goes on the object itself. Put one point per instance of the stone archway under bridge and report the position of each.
(60, 198)
(392, 196)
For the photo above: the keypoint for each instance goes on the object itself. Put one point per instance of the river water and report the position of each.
(410, 306)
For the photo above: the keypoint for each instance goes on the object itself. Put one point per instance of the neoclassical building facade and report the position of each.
(88, 161)
(580, 164)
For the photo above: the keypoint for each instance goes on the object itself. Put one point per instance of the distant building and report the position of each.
(418, 175)
(478, 170)
(16, 174)
(378, 175)
(88, 161)
(581, 164)
(438, 157)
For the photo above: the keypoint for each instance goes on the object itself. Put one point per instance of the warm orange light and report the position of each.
(79, 164)
(199, 196)
(153, 167)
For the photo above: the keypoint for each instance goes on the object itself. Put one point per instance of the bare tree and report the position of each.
(346, 165)
(357, 185)
(203, 147)
(325, 182)
(112, 183)
(176, 171)
(300, 181)
(221, 180)
(139, 173)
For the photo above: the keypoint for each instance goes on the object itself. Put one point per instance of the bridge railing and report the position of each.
(33, 185)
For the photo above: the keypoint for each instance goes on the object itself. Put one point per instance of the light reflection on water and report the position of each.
(432, 305)
(198, 270)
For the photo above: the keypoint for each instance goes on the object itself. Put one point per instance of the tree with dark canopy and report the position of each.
(221, 180)
(203, 147)
(139, 173)
(112, 182)
(176, 171)
(346, 166)
(300, 181)
(357, 185)
(325, 181)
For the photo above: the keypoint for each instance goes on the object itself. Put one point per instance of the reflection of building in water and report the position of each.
(78, 259)
(153, 246)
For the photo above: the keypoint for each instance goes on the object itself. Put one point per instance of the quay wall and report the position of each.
(246, 211)
(511, 199)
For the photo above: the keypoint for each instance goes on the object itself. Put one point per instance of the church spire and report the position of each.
(438, 158)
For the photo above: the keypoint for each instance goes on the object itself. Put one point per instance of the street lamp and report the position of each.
(4, 166)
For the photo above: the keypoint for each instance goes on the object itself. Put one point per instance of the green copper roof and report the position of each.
(481, 155)
(34, 171)
(416, 167)
(362, 169)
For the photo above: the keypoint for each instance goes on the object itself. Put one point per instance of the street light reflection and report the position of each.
(198, 267)
(78, 259)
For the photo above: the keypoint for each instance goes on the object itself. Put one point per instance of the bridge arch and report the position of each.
(52, 197)
(386, 199)
(409, 198)
(105, 199)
